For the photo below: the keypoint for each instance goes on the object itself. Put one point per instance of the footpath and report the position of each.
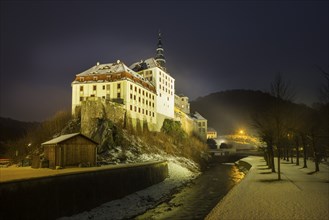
(300, 195)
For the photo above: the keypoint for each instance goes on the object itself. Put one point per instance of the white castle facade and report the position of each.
(144, 89)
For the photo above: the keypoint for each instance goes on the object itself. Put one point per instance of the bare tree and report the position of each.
(283, 93)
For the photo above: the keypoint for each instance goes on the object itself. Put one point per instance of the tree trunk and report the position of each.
(292, 154)
(304, 151)
(279, 173)
(297, 151)
(271, 154)
(315, 154)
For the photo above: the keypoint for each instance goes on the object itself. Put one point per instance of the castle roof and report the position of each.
(197, 116)
(146, 64)
(112, 72)
(108, 68)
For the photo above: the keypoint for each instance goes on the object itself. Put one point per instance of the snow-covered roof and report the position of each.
(107, 68)
(197, 116)
(146, 64)
(64, 138)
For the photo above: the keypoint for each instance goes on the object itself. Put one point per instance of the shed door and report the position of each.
(60, 157)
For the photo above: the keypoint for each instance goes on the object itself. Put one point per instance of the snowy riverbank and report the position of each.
(300, 195)
(138, 202)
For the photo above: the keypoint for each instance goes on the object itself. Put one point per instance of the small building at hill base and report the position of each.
(70, 150)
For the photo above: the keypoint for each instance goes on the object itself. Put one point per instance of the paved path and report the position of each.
(300, 195)
(22, 173)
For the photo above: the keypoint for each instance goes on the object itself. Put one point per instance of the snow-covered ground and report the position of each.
(300, 195)
(140, 201)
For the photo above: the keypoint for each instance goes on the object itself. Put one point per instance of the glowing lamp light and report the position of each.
(241, 132)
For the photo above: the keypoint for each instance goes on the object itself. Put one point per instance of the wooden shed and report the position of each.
(70, 150)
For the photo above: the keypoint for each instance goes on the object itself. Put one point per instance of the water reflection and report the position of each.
(197, 199)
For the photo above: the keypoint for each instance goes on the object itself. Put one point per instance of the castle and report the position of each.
(145, 90)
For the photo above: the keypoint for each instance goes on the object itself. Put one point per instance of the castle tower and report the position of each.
(159, 53)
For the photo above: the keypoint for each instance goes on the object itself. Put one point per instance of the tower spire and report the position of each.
(159, 53)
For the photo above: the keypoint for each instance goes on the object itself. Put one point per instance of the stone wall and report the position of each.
(188, 124)
(67, 194)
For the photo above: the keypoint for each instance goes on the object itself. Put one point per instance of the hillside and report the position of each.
(11, 129)
(229, 111)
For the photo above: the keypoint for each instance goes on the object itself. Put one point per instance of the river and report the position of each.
(198, 198)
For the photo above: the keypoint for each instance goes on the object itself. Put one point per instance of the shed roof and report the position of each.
(66, 137)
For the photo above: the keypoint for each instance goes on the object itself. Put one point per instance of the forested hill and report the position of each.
(229, 111)
(11, 129)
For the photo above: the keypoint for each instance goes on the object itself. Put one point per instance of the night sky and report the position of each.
(209, 46)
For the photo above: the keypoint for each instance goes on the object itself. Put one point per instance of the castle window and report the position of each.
(94, 87)
(135, 108)
(143, 111)
(119, 86)
(103, 97)
(151, 78)
(147, 102)
(131, 96)
(134, 97)
(131, 107)
(139, 99)
(81, 99)
(159, 79)
(139, 91)
(146, 112)
(81, 79)
(139, 110)
(131, 87)
(135, 89)
(143, 92)
(153, 104)
(103, 87)
(153, 114)
(81, 88)
(143, 101)
(108, 87)
(119, 95)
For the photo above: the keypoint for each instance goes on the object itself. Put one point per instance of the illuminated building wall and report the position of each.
(115, 82)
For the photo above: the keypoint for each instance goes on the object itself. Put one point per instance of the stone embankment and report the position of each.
(64, 194)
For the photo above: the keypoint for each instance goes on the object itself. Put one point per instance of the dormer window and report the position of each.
(81, 79)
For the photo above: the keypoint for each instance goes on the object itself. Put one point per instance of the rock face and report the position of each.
(100, 121)
(94, 112)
